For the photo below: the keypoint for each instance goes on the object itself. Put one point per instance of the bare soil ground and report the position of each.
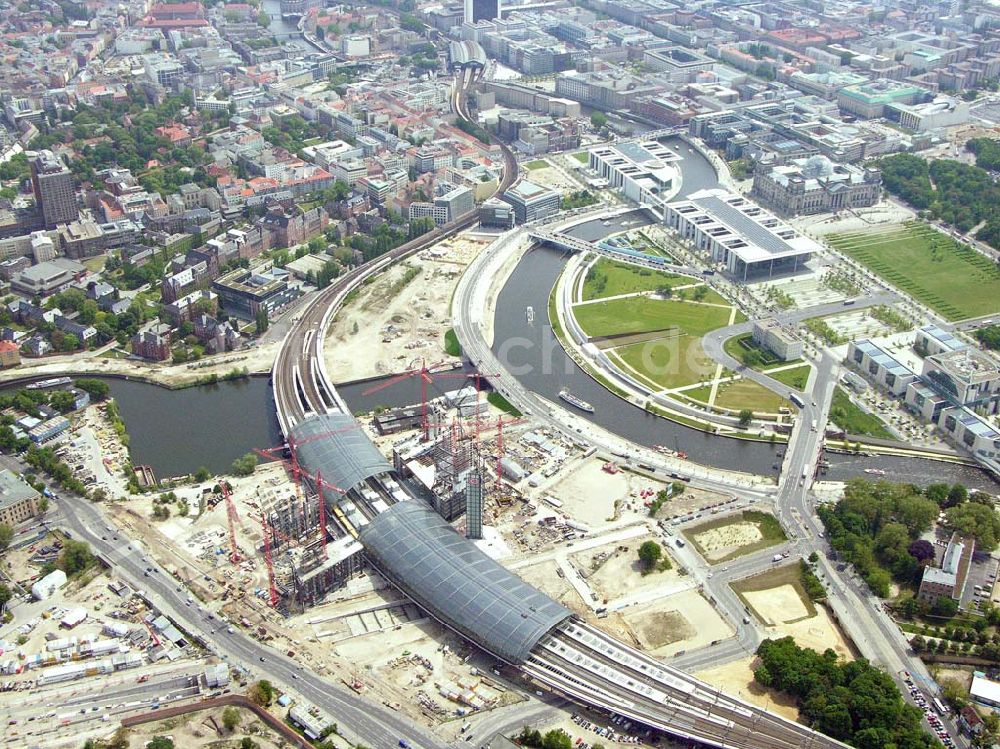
(736, 678)
(204, 729)
(719, 543)
(544, 577)
(614, 571)
(399, 319)
(699, 623)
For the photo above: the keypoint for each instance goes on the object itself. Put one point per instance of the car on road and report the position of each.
(262, 659)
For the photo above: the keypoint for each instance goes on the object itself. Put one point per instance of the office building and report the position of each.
(966, 377)
(481, 10)
(816, 185)
(644, 172)
(474, 498)
(456, 202)
(18, 501)
(243, 293)
(496, 214)
(532, 202)
(880, 367)
(55, 195)
(739, 235)
(780, 341)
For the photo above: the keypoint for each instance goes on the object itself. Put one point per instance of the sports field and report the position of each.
(948, 276)
(611, 278)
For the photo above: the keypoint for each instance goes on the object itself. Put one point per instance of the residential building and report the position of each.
(816, 185)
(55, 194)
(152, 344)
(948, 580)
(532, 202)
(18, 501)
(779, 340)
(10, 354)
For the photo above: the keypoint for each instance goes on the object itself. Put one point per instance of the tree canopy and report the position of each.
(873, 526)
(977, 520)
(852, 702)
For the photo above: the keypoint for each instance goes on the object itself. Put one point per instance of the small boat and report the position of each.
(50, 383)
(567, 396)
(664, 450)
(875, 471)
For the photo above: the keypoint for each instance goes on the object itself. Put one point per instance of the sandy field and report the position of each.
(544, 577)
(720, 542)
(736, 678)
(589, 494)
(786, 614)
(699, 623)
(781, 605)
(393, 325)
(613, 571)
(551, 176)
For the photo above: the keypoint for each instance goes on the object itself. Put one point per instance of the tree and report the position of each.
(746, 416)
(976, 520)
(75, 557)
(245, 466)
(921, 550)
(160, 742)
(753, 358)
(557, 739)
(202, 474)
(957, 495)
(261, 321)
(230, 718)
(649, 554)
(918, 644)
(263, 19)
(6, 536)
(247, 743)
(598, 119)
(262, 693)
(945, 606)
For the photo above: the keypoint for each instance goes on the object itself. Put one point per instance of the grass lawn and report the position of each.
(497, 400)
(670, 362)
(451, 345)
(796, 377)
(786, 574)
(537, 164)
(748, 394)
(946, 275)
(611, 278)
(738, 346)
(853, 419)
(641, 315)
(768, 525)
(583, 157)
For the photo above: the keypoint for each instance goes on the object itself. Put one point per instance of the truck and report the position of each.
(813, 425)
(776, 558)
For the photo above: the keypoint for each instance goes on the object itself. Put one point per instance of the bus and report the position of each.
(796, 400)
(939, 707)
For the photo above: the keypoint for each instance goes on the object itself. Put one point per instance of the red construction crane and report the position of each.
(232, 517)
(271, 587)
(427, 376)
